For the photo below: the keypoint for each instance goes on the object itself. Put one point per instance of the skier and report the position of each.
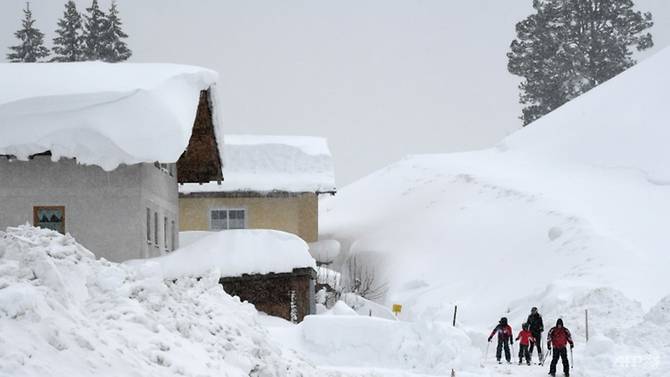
(536, 327)
(525, 338)
(504, 332)
(559, 337)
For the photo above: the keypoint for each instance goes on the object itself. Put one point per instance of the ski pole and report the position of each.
(486, 355)
(572, 361)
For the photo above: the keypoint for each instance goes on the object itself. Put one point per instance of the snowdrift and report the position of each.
(63, 313)
(567, 214)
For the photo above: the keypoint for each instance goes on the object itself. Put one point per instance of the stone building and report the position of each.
(97, 150)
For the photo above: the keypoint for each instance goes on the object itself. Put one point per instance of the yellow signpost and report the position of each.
(396, 309)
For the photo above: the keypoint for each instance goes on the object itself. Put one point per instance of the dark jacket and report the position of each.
(535, 324)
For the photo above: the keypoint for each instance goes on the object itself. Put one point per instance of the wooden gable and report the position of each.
(201, 161)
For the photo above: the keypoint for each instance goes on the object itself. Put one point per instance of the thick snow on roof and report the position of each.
(262, 163)
(237, 252)
(570, 213)
(101, 114)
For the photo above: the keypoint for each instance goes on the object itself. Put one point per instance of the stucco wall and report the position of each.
(297, 214)
(104, 211)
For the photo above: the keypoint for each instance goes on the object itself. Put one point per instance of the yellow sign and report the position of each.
(397, 308)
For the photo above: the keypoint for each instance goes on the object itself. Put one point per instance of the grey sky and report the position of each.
(379, 78)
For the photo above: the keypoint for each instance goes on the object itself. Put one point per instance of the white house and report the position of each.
(97, 150)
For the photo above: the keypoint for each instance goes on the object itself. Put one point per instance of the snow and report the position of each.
(237, 252)
(101, 114)
(325, 251)
(266, 163)
(62, 313)
(567, 214)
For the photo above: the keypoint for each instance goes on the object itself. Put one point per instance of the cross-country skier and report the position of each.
(504, 332)
(559, 337)
(525, 338)
(536, 327)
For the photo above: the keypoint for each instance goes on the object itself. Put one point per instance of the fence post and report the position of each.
(455, 311)
(586, 317)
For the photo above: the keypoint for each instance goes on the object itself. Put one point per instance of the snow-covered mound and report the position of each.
(62, 313)
(237, 252)
(99, 113)
(568, 214)
(262, 163)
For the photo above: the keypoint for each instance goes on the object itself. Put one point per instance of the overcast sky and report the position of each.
(380, 79)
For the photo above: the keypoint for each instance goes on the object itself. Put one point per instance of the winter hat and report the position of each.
(559, 322)
(503, 320)
(524, 326)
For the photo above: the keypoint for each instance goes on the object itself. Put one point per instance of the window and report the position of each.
(156, 229)
(148, 225)
(220, 219)
(174, 236)
(165, 233)
(50, 217)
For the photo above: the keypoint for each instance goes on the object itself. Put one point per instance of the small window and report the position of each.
(50, 217)
(156, 229)
(220, 219)
(148, 225)
(165, 233)
(174, 236)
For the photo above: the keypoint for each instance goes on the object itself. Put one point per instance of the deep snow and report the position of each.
(567, 214)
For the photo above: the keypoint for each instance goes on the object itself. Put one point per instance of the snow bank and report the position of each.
(361, 341)
(272, 163)
(62, 313)
(101, 114)
(237, 252)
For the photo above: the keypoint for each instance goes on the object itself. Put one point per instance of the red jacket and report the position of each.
(504, 333)
(558, 337)
(526, 337)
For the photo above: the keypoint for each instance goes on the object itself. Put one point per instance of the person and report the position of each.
(525, 338)
(505, 336)
(558, 338)
(536, 327)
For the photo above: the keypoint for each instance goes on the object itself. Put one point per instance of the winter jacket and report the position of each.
(559, 337)
(526, 337)
(504, 333)
(535, 324)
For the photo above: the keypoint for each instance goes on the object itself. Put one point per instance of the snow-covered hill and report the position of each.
(62, 313)
(568, 214)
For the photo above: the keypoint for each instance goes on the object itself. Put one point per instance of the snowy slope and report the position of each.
(62, 313)
(567, 214)
(99, 113)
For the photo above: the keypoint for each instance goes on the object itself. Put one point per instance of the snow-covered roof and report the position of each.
(272, 163)
(237, 252)
(99, 113)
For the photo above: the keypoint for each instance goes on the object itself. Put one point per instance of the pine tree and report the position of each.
(115, 49)
(570, 46)
(68, 44)
(31, 49)
(94, 26)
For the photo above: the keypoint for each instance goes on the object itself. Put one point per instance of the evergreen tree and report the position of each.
(68, 44)
(570, 46)
(31, 49)
(95, 23)
(115, 49)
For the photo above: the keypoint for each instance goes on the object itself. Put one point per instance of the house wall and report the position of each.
(286, 295)
(297, 214)
(104, 211)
